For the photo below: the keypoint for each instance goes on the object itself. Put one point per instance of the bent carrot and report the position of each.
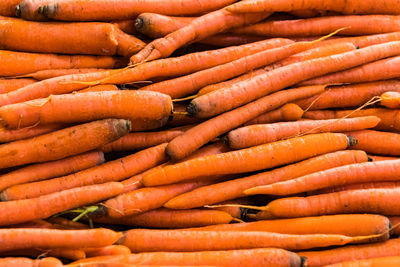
(30, 209)
(288, 112)
(7, 135)
(115, 170)
(62, 143)
(388, 142)
(383, 261)
(26, 262)
(219, 192)
(390, 99)
(8, 85)
(51, 169)
(108, 250)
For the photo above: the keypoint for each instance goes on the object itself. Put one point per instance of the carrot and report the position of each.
(63, 223)
(51, 169)
(8, 85)
(395, 220)
(246, 91)
(258, 134)
(221, 20)
(164, 218)
(52, 73)
(127, 26)
(380, 158)
(235, 188)
(108, 250)
(7, 135)
(383, 261)
(389, 117)
(38, 223)
(243, 257)
(345, 7)
(142, 140)
(19, 63)
(64, 253)
(256, 158)
(390, 99)
(369, 185)
(141, 240)
(8, 8)
(367, 251)
(62, 143)
(131, 105)
(365, 73)
(26, 262)
(380, 171)
(236, 212)
(288, 112)
(185, 144)
(230, 39)
(388, 142)
(99, 88)
(45, 206)
(115, 170)
(74, 10)
(180, 118)
(364, 41)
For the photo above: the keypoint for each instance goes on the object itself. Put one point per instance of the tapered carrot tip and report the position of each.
(123, 127)
(192, 109)
(351, 141)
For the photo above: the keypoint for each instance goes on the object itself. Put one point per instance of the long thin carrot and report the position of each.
(45, 206)
(115, 170)
(202, 133)
(341, 6)
(52, 73)
(27, 262)
(382, 261)
(63, 253)
(235, 188)
(288, 112)
(364, 41)
(390, 99)
(230, 39)
(88, 106)
(242, 257)
(164, 218)
(99, 88)
(107, 250)
(51, 169)
(243, 92)
(318, 258)
(8, 85)
(381, 171)
(62, 222)
(7, 135)
(368, 185)
(62, 143)
(258, 134)
(388, 142)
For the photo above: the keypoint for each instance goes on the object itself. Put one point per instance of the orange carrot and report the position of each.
(255, 158)
(180, 118)
(395, 220)
(382, 261)
(8, 85)
(288, 112)
(192, 139)
(63, 223)
(164, 218)
(62, 143)
(230, 39)
(51, 169)
(52, 73)
(390, 99)
(7, 8)
(318, 258)
(131, 105)
(45, 206)
(369, 185)
(108, 250)
(99, 88)
(115, 170)
(258, 134)
(380, 158)
(235, 188)
(26, 262)
(127, 26)
(64, 253)
(7, 135)
(367, 140)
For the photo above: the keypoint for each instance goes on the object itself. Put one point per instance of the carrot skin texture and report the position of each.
(30, 209)
(388, 142)
(26, 262)
(395, 220)
(9, 135)
(48, 146)
(382, 261)
(390, 99)
(8, 85)
(288, 112)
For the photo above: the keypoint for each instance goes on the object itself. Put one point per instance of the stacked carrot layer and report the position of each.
(199, 133)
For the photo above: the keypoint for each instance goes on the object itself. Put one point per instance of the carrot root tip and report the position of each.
(352, 141)
(191, 109)
(18, 11)
(139, 23)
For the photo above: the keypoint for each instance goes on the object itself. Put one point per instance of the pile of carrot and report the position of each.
(199, 133)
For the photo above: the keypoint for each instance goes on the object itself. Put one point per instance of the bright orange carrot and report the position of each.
(180, 117)
(51, 169)
(8, 85)
(390, 99)
(389, 143)
(258, 134)
(52, 73)
(256, 158)
(395, 220)
(115, 170)
(192, 139)
(382, 261)
(62, 143)
(108, 250)
(63, 253)
(235, 188)
(26, 262)
(364, 41)
(99, 88)
(288, 112)
(7, 135)
(369, 185)
(63, 223)
(45, 206)
(380, 158)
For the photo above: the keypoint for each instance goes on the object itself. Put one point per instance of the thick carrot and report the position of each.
(99, 88)
(192, 139)
(67, 38)
(381, 171)
(389, 117)
(256, 158)
(367, 251)
(383, 69)
(51, 169)
(141, 240)
(389, 143)
(164, 218)
(341, 6)
(52, 73)
(348, 95)
(242, 257)
(19, 63)
(8, 85)
(369, 185)
(142, 140)
(26, 262)
(45, 206)
(106, 10)
(288, 112)
(390, 99)
(7, 135)
(233, 189)
(62, 143)
(246, 91)
(258, 134)
(88, 106)
(108, 250)
(63, 253)
(382, 261)
(353, 201)
(115, 170)
(217, 21)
